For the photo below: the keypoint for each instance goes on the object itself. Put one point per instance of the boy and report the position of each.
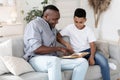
(82, 40)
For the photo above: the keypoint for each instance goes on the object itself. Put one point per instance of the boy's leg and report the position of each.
(103, 63)
(78, 65)
(50, 64)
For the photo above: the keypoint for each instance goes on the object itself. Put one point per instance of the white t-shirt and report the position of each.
(79, 39)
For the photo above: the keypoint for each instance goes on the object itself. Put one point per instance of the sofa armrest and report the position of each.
(114, 50)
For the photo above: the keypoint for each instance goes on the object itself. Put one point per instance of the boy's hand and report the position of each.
(91, 60)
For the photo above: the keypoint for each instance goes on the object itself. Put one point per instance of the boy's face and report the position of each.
(79, 22)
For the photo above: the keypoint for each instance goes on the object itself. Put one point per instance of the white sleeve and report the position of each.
(65, 31)
(91, 36)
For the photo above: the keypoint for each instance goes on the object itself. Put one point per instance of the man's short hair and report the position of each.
(79, 12)
(52, 7)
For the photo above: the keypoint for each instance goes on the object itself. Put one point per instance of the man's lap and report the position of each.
(40, 63)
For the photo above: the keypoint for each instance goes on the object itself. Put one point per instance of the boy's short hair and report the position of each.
(79, 12)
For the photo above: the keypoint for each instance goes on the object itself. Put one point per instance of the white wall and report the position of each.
(111, 22)
(5, 13)
(108, 24)
(26, 5)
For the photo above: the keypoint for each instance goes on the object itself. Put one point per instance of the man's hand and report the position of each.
(64, 50)
(91, 60)
(69, 48)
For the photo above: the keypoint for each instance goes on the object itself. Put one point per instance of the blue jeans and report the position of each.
(102, 62)
(53, 65)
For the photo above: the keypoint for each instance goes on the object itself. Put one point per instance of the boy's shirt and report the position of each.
(79, 39)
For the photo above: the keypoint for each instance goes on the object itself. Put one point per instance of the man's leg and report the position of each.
(103, 63)
(78, 65)
(50, 64)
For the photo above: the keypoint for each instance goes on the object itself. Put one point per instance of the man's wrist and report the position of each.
(58, 48)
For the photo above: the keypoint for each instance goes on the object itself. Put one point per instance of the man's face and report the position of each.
(79, 22)
(52, 18)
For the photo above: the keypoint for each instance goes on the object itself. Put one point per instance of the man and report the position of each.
(40, 47)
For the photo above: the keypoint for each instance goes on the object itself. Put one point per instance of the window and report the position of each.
(7, 2)
(8, 12)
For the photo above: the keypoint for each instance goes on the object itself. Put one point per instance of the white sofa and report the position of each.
(92, 74)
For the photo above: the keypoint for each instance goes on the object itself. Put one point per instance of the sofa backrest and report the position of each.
(17, 47)
(114, 50)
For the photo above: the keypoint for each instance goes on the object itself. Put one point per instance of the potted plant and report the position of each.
(32, 14)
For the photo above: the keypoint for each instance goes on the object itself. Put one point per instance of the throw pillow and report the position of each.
(5, 50)
(103, 47)
(16, 65)
(3, 68)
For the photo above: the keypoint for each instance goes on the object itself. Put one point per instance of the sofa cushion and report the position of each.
(66, 75)
(34, 76)
(3, 68)
(10, 77)
(5, 50)
(93, 73)
(114, 69)
(16, 65)
(103, 47)
(17, 46)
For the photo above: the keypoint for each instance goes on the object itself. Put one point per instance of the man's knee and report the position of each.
(54, 61)
(83, 62)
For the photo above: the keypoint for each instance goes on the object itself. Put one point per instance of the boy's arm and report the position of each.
(93, 50)
(63, 42)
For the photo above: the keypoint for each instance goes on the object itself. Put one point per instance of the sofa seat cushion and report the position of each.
(117, 69)
(10, 77)
(67, 75)
(34, 76)
(93, 73)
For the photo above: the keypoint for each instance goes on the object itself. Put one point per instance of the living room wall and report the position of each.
(111, 22)
(108, 23)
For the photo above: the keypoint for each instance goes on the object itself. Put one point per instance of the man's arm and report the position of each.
(63, 42)
(93, 50)
(46, 50)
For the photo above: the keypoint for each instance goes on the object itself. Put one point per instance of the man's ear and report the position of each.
(85, 19)
(45, 16)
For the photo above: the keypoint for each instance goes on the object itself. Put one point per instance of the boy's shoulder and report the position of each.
(72, 26)
(88, 27)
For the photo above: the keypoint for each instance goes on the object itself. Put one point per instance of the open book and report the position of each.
(76, 55)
